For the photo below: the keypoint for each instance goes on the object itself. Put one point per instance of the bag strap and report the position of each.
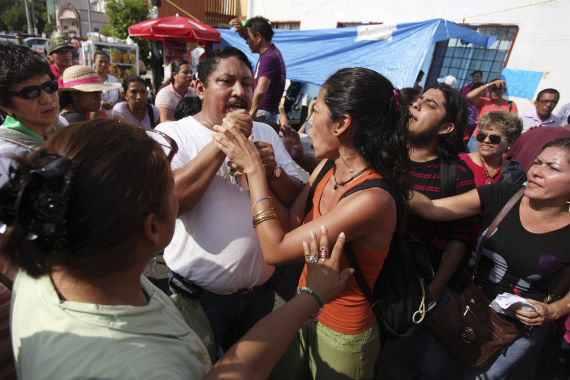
(19, 138)
(326, 167)
(448, 177)
(6, 281)
(498, 219)
(150, 112)
(510, 106)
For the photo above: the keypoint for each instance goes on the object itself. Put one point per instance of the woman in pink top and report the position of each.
(177, 87)
(497, 132)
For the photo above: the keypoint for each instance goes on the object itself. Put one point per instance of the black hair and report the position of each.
(548, 91)
(477, 85)
(260, 25)
(408, 96)
(379, 124)
(118, 175)
(456, 111)
(175, 67)
(477, 71)
(187, 106)
(130, 79)
(18, 64)
(210, 61)
(101, 52)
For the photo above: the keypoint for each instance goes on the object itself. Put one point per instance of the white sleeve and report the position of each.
(264, 132)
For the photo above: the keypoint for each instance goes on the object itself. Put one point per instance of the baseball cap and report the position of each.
(56, 43)
(448, 79)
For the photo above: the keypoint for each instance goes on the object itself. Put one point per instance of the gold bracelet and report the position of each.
(265, 209)
(254, 220)
(264, 218)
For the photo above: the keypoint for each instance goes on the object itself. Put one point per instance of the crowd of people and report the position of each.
(96, 181)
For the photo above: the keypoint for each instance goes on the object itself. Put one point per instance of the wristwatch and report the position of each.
(276, 173)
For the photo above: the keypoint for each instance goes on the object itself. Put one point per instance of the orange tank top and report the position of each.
(349, 312)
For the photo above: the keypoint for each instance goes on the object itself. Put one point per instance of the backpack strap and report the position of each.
(448, 177)
(510, 106)
(349, 251)
(326, 167)
(150, 112)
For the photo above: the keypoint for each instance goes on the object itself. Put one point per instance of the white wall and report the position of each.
(542, 43)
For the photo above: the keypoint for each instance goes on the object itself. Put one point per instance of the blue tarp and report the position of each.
(396, 51)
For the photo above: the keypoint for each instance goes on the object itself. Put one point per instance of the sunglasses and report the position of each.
(495, 139)
(167, 143)
(33, 92)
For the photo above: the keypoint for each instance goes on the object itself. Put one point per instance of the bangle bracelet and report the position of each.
(311, 292)
(263, 218)
(261, 199)
(262, 211)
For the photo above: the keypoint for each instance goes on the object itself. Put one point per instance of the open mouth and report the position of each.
(235, 105)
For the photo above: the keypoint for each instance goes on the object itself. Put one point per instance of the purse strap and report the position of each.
(498, 219)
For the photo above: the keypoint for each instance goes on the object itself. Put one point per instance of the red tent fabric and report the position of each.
(178, 27)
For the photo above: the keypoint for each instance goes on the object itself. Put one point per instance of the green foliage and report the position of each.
(13, 16)
(122, 14)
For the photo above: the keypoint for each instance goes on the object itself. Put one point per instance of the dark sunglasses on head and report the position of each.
(495, 139)
(167, 143)
(32, 92)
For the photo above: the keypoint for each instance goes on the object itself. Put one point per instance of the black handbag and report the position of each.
(472, 332)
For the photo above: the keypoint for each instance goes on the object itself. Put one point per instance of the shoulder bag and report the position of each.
(472, 332)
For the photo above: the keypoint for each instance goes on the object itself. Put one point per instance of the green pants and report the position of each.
(318, 352)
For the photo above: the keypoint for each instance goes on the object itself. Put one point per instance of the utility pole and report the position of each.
(34, 24)
(28, 17)
(89, 15)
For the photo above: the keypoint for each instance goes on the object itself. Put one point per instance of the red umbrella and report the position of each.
(178, 27)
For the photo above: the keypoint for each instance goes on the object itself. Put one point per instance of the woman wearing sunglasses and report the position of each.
(497, 132)
(83, 216)
(28, 103)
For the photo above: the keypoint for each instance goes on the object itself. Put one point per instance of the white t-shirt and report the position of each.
(110, 96)
(56, 339)
(214, 244)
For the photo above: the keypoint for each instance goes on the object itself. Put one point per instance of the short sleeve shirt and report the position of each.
(272, 66)
(169, 98)
(122, 110)
(486, 105)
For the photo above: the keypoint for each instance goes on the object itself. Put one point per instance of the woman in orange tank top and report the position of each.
(358, 123)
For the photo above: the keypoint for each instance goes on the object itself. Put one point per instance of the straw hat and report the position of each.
(84, 78)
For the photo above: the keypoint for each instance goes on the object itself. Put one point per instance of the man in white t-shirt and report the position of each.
(215, 250)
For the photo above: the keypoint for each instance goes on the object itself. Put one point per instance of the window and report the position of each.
(286, 25)
(348, 24)
(454, 57)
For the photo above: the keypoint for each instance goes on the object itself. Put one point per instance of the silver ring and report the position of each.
(314, 259)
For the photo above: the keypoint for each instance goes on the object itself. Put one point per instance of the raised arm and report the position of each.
(236, 24)
(255, 355)
(451, 208)
(368, 216)
(474, 96)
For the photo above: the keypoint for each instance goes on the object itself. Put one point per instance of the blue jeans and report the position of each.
(267, 117)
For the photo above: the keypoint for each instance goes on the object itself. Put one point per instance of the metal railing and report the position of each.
(220, 11)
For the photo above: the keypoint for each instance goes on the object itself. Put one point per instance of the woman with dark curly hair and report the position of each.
(357, 129)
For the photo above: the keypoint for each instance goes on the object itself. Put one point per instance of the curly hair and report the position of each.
(509, 123)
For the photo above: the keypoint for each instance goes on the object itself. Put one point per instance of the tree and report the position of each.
(122, 14)
(13, 16)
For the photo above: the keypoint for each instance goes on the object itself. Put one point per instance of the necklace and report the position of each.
(490, 178)
(337, 184)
